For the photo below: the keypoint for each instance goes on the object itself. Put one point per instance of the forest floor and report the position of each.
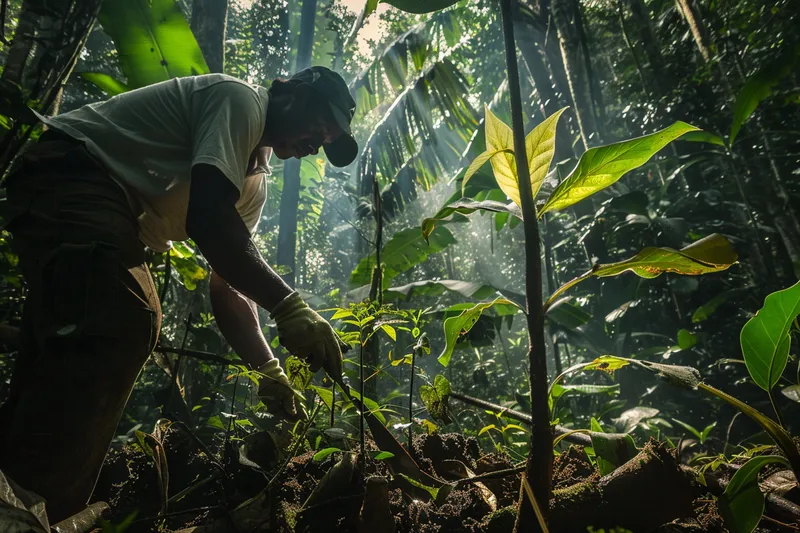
(232, 496)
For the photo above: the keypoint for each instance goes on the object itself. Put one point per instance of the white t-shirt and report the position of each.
(148, 139)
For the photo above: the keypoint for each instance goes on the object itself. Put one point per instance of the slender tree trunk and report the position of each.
(539, 468)
(685, 8)
(652, 50)
(290, 199)
(209, 22)
(575, 66)
(50, 35)
(528, 40)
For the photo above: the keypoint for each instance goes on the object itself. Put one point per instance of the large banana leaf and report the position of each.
(765, 338)
(602, 166)
(406, 147)
(153, 40)
(403, 251)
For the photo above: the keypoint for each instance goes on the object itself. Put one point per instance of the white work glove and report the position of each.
(305, 334)
(276, 392)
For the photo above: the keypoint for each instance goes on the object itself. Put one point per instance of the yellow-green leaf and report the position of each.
(540, 146)
(478, 162)
(602, 166)
(500, 140)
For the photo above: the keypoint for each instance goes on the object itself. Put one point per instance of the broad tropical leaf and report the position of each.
(742, 503)
(602, 166)
(759, 87)
(403, 251)
(765, 338)
(456, 326)
(436, 398)
(710, 254)
(105, 82)
(467, 206)
(153, 40)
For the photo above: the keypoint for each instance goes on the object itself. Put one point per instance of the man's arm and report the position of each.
(216, 227)
(237, 318)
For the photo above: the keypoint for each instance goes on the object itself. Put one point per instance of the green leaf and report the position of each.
(701, 136)
(742, 503)
(759, 87)
(109, 85)
(686, 339)
(390, 331)
(486, 429)
(382, 456)
(602, 166)
(298, 372)
(691, 429)
(467, 206)
(436, 398)
(459, 325)
(612, 450)
(372, 405)
(325, 452)
(420, 7)
(539, 148)
(765, 338)
(153, 40)
(406, 249)
(710, 307)
(710, 254)
(595, 425)
(478, 162)
(325, 394)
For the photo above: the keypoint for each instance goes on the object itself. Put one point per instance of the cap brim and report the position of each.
(342, 151)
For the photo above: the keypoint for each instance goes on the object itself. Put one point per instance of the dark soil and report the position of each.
(129, 484)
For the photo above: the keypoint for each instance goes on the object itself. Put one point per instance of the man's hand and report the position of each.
(276, 392)
(307, 335)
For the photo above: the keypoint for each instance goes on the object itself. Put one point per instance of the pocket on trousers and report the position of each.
(80, 292)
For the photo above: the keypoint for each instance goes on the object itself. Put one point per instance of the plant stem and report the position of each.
(361, 392)
(775, 408)
(540, 458)
(411, 402)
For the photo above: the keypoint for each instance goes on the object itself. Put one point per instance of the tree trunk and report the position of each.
(50, 35)
(528, 41)
(575, 65)
(209, 20)
(649, 42)
(685, 8)
(290, 199)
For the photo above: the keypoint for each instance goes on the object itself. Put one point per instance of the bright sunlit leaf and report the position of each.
(602, 166)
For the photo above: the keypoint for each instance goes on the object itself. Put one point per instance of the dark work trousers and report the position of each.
(91, 318)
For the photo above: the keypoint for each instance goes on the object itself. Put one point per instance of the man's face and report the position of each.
(304, 135)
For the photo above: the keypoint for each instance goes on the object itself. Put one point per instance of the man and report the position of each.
(176, 160)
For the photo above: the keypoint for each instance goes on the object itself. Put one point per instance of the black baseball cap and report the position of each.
(333, 89)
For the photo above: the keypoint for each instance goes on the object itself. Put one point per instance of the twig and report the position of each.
(495, 474)
(191, 488)
(178, 513)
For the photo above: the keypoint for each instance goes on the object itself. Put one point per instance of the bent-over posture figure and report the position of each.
(179, 159)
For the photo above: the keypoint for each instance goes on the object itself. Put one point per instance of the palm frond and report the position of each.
(389, 72)
(410, 147)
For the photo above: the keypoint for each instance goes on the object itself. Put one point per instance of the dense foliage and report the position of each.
(417, 251)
